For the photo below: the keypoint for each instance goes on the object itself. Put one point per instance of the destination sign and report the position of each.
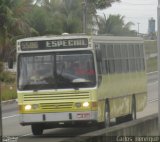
(54, 44)
(67, 43)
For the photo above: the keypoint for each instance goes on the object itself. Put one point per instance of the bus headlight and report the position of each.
(85, 104)
(28, 107)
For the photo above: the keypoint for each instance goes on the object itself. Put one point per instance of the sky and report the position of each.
(136, 11)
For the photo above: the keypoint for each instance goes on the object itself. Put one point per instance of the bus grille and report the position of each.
(56, 97)
(66, 105)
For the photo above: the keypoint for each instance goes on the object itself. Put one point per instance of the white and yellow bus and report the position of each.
(77, 79)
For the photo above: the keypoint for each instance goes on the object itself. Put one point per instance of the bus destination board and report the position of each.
(54, 44)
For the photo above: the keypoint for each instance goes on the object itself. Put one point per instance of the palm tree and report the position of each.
(115, 25)
(57, 16)
(12, 24)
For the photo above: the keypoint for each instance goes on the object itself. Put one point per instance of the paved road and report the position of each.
(11, 126)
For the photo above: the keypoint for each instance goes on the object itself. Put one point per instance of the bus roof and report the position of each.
(112, 39)
(54, 37)
(74, 36)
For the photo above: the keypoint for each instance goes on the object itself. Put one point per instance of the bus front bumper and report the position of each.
(27, 119)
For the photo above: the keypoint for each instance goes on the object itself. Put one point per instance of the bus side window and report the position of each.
(99, 73)
(99, 63)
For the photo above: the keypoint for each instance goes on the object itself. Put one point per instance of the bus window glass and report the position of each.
(141, 50)
(111, 66)
(132, 65)
(125, 67)
(110, 52)
(75, 70)
(124, 51)
(103, 50)
(137, 50)
(138, 64)
(131, 50)
(35, 71)
(142, 63)
(118, 66)
(67, 71)
(117, 50)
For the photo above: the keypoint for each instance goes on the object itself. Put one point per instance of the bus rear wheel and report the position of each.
(37, 129)
(106, 122)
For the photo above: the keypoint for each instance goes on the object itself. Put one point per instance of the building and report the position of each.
(151, 26)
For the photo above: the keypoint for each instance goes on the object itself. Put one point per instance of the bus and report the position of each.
(71, 80)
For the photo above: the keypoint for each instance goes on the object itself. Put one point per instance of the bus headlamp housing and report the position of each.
(85, 104)
(28, 107)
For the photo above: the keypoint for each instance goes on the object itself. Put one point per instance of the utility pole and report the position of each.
(84, 4)
(138, 29)
(158, 47)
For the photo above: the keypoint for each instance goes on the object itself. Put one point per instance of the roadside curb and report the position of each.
(9, 102)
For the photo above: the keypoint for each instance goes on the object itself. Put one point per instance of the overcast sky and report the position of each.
(136, 11)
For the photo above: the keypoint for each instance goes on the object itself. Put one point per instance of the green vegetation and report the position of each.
(150, 46)
(8, 91)
(7, 84)
(115, 25)
(152, 64)
(151, 49)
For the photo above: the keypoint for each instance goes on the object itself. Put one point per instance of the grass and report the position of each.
(8, 91)
(152, 64)
(150, 46)
(8, 86)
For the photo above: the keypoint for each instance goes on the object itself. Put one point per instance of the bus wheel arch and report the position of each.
(37, 129)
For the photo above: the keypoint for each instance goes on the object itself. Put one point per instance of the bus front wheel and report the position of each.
(37, 129)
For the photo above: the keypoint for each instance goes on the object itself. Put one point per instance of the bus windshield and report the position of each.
(56, 70)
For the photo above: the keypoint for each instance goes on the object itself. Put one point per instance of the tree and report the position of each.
(22, 18)
(101, 4)
(60, 16)
(12, 24)
(115, 25)
(69, 13)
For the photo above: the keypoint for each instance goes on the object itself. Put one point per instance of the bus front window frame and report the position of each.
(59, 75)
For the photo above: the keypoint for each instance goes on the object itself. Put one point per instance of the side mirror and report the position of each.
(10, 63)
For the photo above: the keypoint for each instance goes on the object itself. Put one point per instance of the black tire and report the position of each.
(107, 114)
(37, 129)
(134, 110)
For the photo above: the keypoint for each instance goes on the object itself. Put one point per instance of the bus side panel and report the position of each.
(119, 88)
(141, 101)
(120, 106)
(101, 107)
